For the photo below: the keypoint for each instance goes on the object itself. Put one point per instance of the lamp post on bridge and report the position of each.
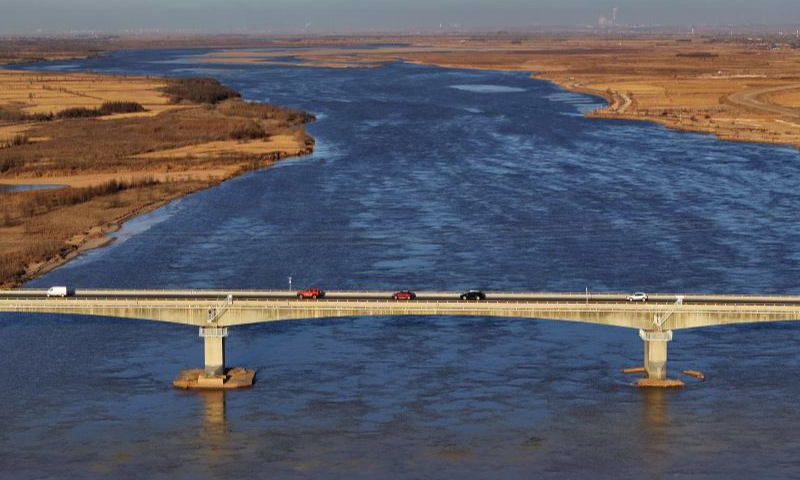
(290, 283)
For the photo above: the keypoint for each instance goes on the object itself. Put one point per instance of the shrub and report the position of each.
(11, 115)
(16, 141)
(40, 117)
(110, 108)
(198, 90)
(8, 164)
(15, 116)
(78, 112)
(301, 116)
(698, 55)
(249, 131)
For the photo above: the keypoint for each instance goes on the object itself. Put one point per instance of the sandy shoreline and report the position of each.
(98, 237)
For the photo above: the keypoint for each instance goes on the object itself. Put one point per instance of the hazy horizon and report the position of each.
(25, 16)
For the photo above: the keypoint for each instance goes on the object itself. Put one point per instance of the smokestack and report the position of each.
(614, 15)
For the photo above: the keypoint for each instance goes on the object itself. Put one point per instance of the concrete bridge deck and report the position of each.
(192, 307)
(214, 311)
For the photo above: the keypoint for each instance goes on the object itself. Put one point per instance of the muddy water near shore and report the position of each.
(429, 178)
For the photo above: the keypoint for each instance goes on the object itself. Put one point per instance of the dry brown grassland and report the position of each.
(122, 146)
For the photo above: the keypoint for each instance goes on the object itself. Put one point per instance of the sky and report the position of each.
(22, 16)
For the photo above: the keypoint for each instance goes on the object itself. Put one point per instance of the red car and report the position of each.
(404, 295)
(310, 293)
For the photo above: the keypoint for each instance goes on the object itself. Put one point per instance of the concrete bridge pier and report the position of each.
(655, 359)
(214, 375)
(214, 348)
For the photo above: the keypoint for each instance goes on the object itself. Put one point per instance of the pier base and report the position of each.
(232, 378)
(214, 376)
(654, 383)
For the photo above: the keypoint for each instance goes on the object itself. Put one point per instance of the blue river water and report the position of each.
(428, 178)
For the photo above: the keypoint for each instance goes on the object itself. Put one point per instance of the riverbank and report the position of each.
(120, 146)
(740, 88)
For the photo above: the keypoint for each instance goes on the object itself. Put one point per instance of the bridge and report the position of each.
(215, 312)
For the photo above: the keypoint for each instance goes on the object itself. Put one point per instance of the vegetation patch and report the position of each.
(249, 131)
(107, 108)
(698, 55)
(29, 204)
(198, 90)
(15, 141)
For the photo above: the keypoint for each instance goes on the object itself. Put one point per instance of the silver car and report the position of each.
(638, 297)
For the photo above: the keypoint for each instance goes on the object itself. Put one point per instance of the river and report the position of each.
(428, 178)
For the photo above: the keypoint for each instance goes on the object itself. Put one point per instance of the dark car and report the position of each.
(473, 295)
(310, 293)
(404, 295)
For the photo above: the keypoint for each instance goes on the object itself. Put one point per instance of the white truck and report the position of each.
(57, 292)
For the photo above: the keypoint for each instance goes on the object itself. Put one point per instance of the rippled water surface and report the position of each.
(429, 178)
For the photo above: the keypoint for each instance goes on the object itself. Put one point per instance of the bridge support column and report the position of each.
(655, 353)
(655, 359)
(214, 375)
(214, 340)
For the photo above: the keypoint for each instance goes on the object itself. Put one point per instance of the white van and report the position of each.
(57, 292)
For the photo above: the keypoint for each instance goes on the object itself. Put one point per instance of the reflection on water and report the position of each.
(655, 425)
(215, 428)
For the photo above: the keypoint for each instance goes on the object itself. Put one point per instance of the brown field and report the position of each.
(23, 92)
(65, 130)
